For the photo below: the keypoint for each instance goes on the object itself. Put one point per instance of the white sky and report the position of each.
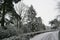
(46, 9)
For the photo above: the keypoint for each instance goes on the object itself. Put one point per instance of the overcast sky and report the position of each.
(46, 9)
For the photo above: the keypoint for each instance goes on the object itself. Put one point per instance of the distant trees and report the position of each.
(31, 12)
(56, 22)
(36, 22)
(33, 23)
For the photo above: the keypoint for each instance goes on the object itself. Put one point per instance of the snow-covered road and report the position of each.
(47, 36)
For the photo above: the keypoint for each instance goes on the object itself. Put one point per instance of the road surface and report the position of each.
(46, 36)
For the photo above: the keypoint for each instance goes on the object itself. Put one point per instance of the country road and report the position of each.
(46, 36)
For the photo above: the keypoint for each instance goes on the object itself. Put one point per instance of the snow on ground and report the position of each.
(46, 36)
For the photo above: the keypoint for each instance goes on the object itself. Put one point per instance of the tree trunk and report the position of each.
(3, 15)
